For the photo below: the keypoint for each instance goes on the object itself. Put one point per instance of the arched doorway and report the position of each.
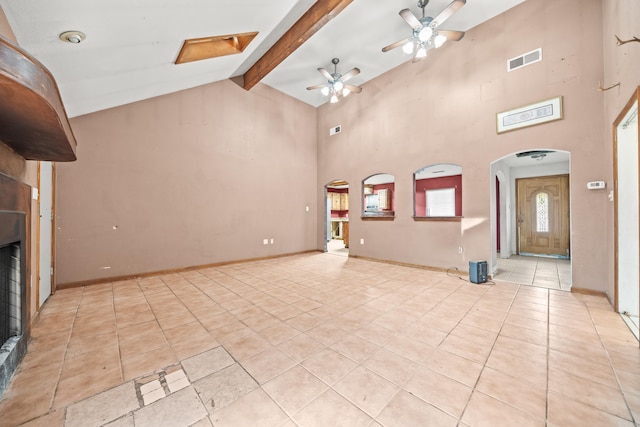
(527, 234)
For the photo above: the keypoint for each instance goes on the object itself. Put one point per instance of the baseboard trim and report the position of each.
(103, 280)
(584, 291)
(450, 270)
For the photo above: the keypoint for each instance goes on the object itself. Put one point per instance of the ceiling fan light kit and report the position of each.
(425, 31)
(425, 35)
(336, 85)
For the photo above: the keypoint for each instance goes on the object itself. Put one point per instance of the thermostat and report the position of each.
(595, 185)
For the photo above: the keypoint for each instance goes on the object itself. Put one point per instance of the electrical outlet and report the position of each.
(362, 241)
(265, 241)
(460, 249)
(307, 208)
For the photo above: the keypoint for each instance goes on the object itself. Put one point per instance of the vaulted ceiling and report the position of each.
(130, 48)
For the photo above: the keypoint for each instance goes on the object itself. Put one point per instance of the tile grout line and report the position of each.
(55, 391)
(115, 317)
(484, 365)
(615, 372)
(137, 281)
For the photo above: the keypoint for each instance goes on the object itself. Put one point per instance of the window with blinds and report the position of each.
(441, 202)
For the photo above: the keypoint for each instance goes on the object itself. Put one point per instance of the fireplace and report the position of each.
(10, 292)
(14, 273)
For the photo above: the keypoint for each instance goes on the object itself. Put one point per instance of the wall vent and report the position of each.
(524, 60)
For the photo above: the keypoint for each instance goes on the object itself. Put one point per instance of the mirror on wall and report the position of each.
(438, 191)
(378, 196)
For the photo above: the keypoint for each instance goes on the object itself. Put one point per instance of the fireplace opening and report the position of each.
(10, 292)
(13, 294)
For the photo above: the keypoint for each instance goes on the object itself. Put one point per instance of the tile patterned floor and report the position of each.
(550, 273)
(322, 340)
(336, 247)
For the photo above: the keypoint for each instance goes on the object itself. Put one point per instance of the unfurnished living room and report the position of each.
(319, 213)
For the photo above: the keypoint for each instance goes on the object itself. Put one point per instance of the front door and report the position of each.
(543, 215)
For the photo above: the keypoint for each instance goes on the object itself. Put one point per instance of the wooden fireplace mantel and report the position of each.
(33, 121)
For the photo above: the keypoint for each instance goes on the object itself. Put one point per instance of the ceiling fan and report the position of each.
(426, 33)
(336, 83)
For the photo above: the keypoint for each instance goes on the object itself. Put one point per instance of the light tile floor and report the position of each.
(551, 273)
(336, 247)
(322, 340)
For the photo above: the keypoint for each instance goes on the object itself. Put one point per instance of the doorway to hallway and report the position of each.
(530, 225)
(337, 218)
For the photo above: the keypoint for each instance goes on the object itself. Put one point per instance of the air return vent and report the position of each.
(524, 60)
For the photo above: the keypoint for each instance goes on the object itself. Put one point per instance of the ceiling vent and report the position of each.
(524, 60)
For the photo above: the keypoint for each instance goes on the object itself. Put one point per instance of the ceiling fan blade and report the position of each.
(354, 72)
(352, 88)
(316, 87)
(447, 12)
(396, 44)
(411, 19)
(452, 35)
(325, 73)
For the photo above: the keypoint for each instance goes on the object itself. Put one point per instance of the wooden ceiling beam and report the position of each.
(315, 18)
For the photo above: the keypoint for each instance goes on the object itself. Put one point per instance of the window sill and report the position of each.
(438, 218)
(378, 216)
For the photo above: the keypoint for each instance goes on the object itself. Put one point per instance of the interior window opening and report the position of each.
(438, 191)
(378, 193)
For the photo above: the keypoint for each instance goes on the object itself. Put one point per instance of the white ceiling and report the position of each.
(131, 47)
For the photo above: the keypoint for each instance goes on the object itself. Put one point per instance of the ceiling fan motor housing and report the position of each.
(426, 21)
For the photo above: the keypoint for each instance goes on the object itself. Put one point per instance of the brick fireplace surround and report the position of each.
(15, 217)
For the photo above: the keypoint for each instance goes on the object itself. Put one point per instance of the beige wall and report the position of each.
(191, 178)
(189, 181)
(442, 110)
(621, 65)
(15, 166)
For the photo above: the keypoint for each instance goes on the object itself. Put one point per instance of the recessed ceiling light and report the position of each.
(74, 37)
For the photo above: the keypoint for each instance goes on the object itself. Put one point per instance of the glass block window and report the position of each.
(542, 213)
